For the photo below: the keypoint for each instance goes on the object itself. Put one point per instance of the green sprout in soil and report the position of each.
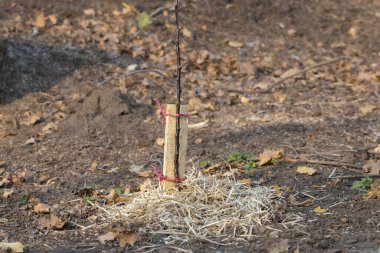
(90, 200)
(249, 166)
(238, 157)
(205, 164)
(275, 161)
(365, 183)
(24, 200)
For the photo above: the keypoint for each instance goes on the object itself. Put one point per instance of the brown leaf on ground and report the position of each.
(145, 185)
(12, 247)
(374, 192)
(123, 238)
(111, 197)
(51, 222)
(235, 44)
(94, 165)
(8, 192)
(40, 20)
(41, 208)
(160, 141)
(307, 202)
(110, 236)
(266, 156)
(127, 238)
(147, 173)
(50, 127)
(30, 119)
(8, 126)
(5, 179)
(319, 210)
(89, 12)
(212, 168)
(372, 167)
(278, 247)
(17, 180)
(53, 19)
(367, 108)
(306, 170)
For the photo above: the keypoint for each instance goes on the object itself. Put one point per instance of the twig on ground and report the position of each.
(332, 173)
(336, 204)
(302, 72)
(333, 163)
(315, 198)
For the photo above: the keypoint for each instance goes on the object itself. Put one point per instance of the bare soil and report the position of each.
(68, 101)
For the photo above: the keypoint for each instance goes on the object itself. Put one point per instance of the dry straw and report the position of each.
(208, 207)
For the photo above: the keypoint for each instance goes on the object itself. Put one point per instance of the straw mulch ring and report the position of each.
(208, 207)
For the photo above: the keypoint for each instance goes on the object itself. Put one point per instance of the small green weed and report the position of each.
(275, 161)
(364, 183)
(24, 200)
(249, 166)
(205, 164)
(90, 200)
(238, 157)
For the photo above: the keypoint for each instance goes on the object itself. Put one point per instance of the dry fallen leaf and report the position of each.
(49, 128)
(372, 167)
(145, 185)
(129, 9)
(41, 208)
(125, 238)
(198, 141)
(278, 247)
(160, 141)
(245, 181)
(235, 44)
(110, 236)
(89, 12)
(244, 100)
(147, 173)
(8, 192)
(94, 165)
(186, 32)
(320, 210)
(366, 109)
(53, 222)
(12, 247)
(279, 97)
(374, 192)
(40, 20)
(307, 202)
(111, 197)
(212, 168)
(266, 156)
(53, 19)
(306, 170)
(29, 119)
(353, 32)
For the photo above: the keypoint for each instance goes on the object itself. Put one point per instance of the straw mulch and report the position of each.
(207, 207)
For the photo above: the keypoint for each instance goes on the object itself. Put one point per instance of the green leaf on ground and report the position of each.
(364, 183)
(205, 164)
(143, 20)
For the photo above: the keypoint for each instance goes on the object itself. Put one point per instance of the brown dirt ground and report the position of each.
(72, 75)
